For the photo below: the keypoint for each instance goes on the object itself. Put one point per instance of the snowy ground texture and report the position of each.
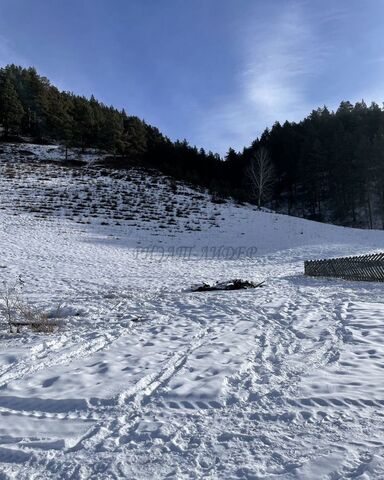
(146, 380)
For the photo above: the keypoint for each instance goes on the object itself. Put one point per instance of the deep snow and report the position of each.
(148, 380)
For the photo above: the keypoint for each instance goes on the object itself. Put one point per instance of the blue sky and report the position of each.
(216, 72)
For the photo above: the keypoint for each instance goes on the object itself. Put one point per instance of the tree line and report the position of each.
(327, 167)
(330, 166)
(30, 106)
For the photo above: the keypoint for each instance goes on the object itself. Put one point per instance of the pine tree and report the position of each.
(83, 121)
(135, 137)
(11, 109)
(111, 132)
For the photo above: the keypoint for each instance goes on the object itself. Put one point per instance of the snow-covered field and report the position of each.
(146, 379)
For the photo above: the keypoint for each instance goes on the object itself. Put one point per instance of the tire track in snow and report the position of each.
(134, 397)
(53, 356)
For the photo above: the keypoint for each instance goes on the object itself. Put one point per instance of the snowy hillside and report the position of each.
(146, 379)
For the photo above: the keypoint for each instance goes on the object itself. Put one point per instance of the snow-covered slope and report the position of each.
(148, 380)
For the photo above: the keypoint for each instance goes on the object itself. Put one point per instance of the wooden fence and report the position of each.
(364, 268)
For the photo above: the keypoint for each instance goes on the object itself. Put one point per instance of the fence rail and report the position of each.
(368, 268)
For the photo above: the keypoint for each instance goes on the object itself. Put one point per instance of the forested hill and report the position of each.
(30, 106)
(328, 167)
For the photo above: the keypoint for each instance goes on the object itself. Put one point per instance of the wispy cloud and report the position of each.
(278, 61)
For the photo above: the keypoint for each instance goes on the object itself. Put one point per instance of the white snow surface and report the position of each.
(148, 380)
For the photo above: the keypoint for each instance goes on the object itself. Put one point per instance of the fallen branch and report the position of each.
(235, 284)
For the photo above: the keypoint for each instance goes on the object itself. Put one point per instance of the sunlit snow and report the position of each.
(146, 379)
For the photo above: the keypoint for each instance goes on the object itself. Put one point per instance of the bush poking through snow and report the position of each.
(38, 320)
(19, 314)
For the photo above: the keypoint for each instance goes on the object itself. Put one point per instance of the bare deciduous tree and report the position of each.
(261, 177)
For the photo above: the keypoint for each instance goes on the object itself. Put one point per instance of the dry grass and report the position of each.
(19, 313)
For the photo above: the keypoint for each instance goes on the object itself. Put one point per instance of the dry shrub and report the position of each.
(20, 314)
